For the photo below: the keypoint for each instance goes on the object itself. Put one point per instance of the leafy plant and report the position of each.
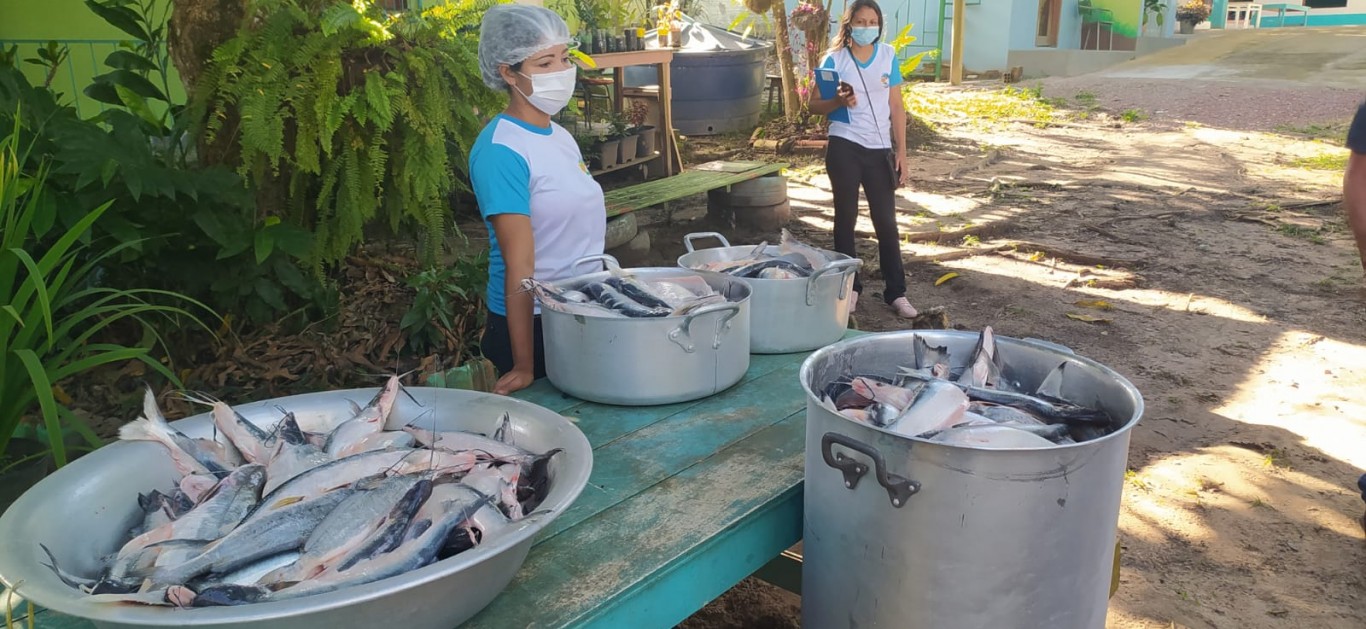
(1156, 8)
(1193, 12)
(448, 307)
(50, 56)
(56, 310)
(349, 114)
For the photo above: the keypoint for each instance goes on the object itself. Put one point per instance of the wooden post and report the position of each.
(956, 58)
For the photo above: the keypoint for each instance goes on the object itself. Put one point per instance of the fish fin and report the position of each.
(1052, 383)
(67, 578)
(504, 431)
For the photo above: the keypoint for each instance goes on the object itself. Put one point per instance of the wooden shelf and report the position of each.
(635, 162)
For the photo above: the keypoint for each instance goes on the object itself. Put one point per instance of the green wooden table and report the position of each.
(684, 501)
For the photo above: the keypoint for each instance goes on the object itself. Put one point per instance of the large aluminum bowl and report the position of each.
(84, 510)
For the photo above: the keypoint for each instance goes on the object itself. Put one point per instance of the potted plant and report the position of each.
(628, 144)
(646, 132)
(1190, 14)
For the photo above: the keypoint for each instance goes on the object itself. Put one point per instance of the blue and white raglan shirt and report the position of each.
(519, 168)
(881, 75)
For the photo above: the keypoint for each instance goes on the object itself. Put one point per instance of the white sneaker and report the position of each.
(853, 301)
(904, 308)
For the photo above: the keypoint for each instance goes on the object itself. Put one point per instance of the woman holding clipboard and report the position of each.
(867, 145)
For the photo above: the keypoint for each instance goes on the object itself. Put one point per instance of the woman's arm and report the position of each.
(844, 97)
(518, 245)
(898, 107)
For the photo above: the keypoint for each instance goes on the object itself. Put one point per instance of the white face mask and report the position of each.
(551, 91)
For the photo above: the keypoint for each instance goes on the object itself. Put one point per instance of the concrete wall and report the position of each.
(1041, 62)
(988, 33)
(1352, 14)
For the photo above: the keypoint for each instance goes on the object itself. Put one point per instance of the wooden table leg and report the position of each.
(670, 151)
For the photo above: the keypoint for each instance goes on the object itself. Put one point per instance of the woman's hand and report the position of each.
(845, 95)
(902, 174)
(513, 381)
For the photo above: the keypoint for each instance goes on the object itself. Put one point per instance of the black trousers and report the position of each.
(850, 166)
(496, 344)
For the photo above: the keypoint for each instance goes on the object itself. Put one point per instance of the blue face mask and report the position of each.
(865, 35)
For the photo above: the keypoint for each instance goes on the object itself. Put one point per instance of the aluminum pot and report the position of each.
(912, 534)
(648, 361)
(794, 315)
(84, 510)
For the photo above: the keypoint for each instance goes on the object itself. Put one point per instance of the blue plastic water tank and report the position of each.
(717, 78)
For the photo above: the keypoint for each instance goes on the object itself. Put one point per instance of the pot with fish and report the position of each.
(956, 479)
(644, 336)
(801, 293)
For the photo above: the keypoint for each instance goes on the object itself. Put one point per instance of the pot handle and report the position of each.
(687, 240)
(837, 265)
(609, 262)
(898, 489)
(682, 336)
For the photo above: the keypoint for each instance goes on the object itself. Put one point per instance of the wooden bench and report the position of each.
(1281, 8)
(696, 180)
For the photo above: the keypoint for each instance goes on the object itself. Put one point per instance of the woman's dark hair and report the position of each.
(845, 37)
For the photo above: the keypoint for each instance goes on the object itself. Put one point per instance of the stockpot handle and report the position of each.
(682, 335)
(609, 262)
(687, 240)
(898, 489)
(838, 265)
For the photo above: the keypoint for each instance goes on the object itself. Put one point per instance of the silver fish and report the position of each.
(221, 510)
(354, 520)
(261, 535)
(814, 257)
(187, 455)
(369, 421)
(456, 441)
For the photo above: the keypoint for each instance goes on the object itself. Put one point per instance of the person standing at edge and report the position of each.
(1354, 185)
(542, 208)
(870, 149)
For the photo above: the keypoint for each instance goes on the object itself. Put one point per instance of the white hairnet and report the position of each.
(510, 33)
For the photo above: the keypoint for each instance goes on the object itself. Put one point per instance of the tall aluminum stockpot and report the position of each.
(654, 360)
(912, 534)
(787, 315)
(84, 511)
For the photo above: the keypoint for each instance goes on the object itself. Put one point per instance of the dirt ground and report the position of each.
(1234, 306)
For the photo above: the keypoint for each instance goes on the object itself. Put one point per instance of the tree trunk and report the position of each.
(196, 29)
(791, 106)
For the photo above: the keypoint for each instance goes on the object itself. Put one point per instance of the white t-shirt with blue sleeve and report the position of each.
(881, 74)
(519, 168)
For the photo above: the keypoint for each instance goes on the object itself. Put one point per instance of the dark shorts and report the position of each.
(497, 344)
(1356, 136)
(1361, 484)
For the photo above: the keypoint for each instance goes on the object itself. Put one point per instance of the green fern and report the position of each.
(350, 115)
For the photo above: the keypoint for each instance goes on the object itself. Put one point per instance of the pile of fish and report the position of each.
(260, 515)
(622, 294)
(973, 407)
(793, 260)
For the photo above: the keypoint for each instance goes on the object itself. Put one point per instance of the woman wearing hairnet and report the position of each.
(542, 208)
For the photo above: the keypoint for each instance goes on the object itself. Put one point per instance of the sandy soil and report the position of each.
(1234, 300)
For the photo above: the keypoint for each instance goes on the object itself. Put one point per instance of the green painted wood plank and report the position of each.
(638, 556)
(685, 184)
(652, 454)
